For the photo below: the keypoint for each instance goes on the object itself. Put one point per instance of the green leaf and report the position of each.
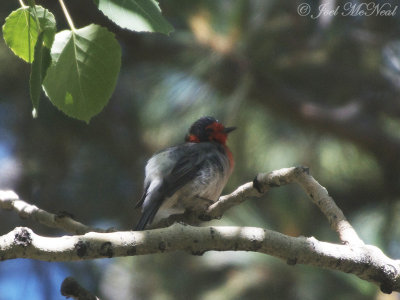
(84, 71)
(136, 15)
(41, 63)
(22, 28)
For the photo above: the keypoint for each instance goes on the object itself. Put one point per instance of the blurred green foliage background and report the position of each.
(321, 92)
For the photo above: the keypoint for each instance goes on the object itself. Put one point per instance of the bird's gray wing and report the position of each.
(190, 158)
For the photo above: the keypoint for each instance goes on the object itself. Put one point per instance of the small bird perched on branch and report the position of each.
(189, 176)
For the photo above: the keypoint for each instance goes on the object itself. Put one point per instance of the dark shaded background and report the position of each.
(320, 92)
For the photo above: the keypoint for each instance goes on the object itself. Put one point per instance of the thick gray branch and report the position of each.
(367, 262)
(261, 184)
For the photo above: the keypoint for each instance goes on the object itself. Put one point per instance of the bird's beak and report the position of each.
(229, 129)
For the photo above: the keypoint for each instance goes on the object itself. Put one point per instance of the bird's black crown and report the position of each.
(200, 130)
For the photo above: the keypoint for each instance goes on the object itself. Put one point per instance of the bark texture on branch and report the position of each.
(367, 262)
(353, 256)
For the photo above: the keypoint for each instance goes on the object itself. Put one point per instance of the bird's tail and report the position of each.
(149, 210)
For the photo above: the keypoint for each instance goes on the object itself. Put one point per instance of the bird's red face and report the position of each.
(207, 129)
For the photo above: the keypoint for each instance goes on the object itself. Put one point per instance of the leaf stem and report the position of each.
(67, 16)
(22, 3)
